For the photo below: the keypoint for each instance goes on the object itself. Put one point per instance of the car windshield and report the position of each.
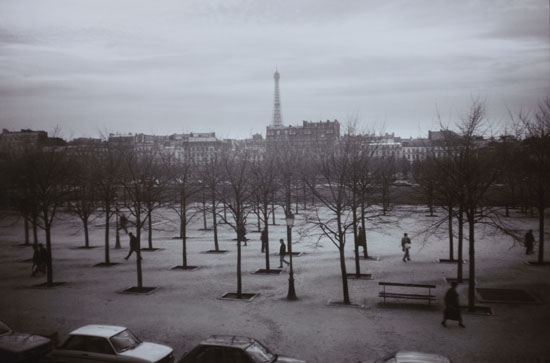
(260, 353)
(124, 340)
(4, 329)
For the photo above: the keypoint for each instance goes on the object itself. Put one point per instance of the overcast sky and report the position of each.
(162, 67)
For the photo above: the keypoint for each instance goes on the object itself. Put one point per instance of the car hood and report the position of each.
(149, 351)
(20, 342)
(420, 357)
(284, 359)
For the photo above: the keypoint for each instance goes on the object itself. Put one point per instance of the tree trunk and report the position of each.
(26, 221)
(273, 207)
(259, 219)
(341, 239)
(215, 224)
(304, 193)
(451, 237)
(363, 226)
(150, 228)
(356, 240)
(205, 226)
(239, 279)
(344, 275)
(86, 233)
(472, 274)
(35, 230)
(107, 217)
(48, 230)
(117, 229)
(266, 224)
(460, 244)
(138, 236)
(184, 236)
(541, 224)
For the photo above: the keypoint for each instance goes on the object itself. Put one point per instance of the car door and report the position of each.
(204, 354)
(70, 351)
(98, 349)
(235, 355)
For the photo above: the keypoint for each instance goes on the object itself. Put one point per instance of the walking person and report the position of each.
(134, 245)
(452, 307)
(406, 246)
(123, 223)
(35, 260)
(264, 239)
(529, 242)
(362, 240)
(43, 259)
(241, 234)
(282, 253)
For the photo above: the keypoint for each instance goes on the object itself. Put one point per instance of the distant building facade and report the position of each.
(310, 136)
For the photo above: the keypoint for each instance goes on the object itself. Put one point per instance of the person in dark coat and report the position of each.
(282, 253)
(124, 223)
(529, 242)
(264, 239)
(43, 260)
(134, 245)
(362, 240)
(406, 246)
(452, 307)
(241, 234)
(35, 260)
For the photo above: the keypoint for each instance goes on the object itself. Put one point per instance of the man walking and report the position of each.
(264, 239)
(134, 245)
(529, 242)
(362, 240)
(406, 246)
(452, 307)
(282, 253)
(35, 260)
(241, 234)
(123, 223)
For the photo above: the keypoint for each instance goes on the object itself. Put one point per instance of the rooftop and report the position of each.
(105, 331)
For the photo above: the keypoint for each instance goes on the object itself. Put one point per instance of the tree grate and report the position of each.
(506, 296)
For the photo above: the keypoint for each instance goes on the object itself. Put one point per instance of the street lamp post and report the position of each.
(289, 224)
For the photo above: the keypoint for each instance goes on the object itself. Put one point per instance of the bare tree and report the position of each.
(105, 166)
(537, 147)
(264, 183)
(469, 173)
(184, 187)
(386, 170)
(211, 177)
(236, 195)
(48, 169)
(139, 180)
(83, 196)
(333, 168)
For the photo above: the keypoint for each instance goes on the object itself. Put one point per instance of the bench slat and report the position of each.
(406, 296)
(409, 285)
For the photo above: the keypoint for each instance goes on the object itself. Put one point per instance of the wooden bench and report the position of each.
(395, 295)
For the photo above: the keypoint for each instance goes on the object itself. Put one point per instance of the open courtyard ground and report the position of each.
(186, 307)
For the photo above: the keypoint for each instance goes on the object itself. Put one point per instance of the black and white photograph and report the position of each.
(274, 181)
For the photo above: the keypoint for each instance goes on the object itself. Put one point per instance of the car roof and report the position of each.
(105, 331)
(229, 341)
(418, 357)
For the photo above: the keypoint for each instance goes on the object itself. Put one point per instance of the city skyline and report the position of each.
(101, 66)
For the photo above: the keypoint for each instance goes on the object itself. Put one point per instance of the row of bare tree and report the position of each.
(348, 178)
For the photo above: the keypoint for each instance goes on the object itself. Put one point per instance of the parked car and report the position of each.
(22, 347)
(414, 357)
(402, 183)
(233, 349)
(108, 343)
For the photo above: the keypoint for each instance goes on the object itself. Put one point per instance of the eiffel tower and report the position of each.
(277, 119)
